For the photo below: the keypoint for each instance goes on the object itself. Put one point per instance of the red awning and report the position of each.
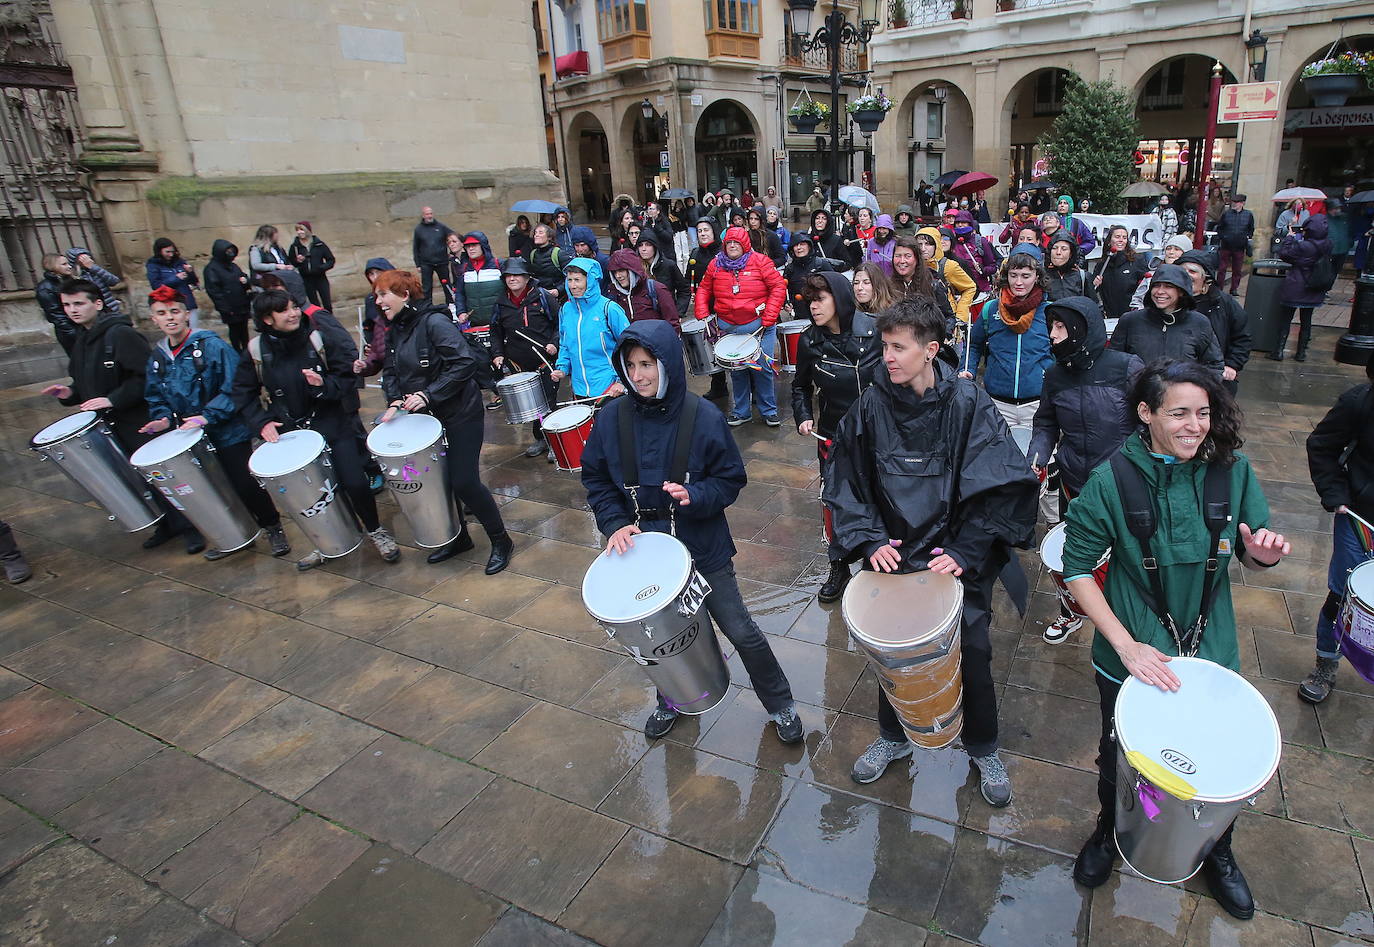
(571, 64)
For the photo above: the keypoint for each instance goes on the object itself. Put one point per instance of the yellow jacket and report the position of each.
(958, 283)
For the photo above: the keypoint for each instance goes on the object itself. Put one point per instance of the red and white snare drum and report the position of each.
(789, 337)
(975, 308)
(1052, 555)
(567, 431)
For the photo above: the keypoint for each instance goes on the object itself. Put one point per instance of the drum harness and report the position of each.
(677, 469)
(1142, 520)
(263, 358)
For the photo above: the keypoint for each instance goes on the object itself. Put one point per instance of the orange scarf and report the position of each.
(1019, 311)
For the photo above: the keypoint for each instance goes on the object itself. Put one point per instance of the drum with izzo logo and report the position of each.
(411, 450)
(84, 449)
(297, 473)
(650, 600)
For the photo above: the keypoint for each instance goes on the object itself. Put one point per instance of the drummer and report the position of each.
(431, 368)
(524, 335)
(589, 325)
(190, 385)
(1188, 424)
(109, 364)
(296, 377)
(845, 339)
(924, 475)
(690, 505)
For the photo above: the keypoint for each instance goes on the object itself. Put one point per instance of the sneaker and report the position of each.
(771, 420)
(1057, 631)
(375, 483)
(879, 755)
(385, 543)
(995, 783)
(277, 537)
(659, 723)
(214, 555)
(789, 725)
(535, 449)
(312, 561)
(735, 420)
(495, 403)
(1317, 685)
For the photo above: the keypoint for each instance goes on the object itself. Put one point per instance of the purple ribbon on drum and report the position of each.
(1150, 797)
(675, 706)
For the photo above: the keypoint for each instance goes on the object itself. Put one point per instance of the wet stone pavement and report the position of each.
(213, 753)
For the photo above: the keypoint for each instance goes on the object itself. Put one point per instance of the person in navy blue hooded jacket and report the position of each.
(648, 361)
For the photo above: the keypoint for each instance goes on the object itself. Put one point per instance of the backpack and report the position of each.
(968, 269)
(262, 360)
(1142, 520)
(1322, 276)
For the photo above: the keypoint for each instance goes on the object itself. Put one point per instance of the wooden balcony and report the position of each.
(626, 47)
(731, 44)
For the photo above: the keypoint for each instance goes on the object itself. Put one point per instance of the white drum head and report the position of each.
(518, 380)
(619, 588)
(1361, 584)
(737, 348)
(692, 326)
(404, 435)
(793, 326)
(292, 452)
(1052, 549)
(565, 419)
(65, 428)
(1216, 731)
(890, 609)
(166, 446)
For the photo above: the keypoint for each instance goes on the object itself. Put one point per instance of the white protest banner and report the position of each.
(1146, 231)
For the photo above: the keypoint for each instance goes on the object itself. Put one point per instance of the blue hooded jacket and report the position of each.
(588, 327)
(1016, 360)
(176, 389)
(715, 471)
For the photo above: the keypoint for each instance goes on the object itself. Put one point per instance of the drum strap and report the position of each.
(1142, 521)
(677, 469)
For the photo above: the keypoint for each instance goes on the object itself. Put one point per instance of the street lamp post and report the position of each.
(646, 108)
(1257, 58)
(835, 33)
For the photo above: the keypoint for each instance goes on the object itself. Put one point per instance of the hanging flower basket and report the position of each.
(807, 113)
(1334, 79)
(868, 120)
(805, 124)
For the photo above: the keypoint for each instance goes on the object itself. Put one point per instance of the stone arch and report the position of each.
(643, 140)
(1031, 103)
(1319, 149)
(726, 139)
(1172, 99)
(589, 150)
(929, 147)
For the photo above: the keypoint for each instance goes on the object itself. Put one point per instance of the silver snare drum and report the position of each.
(523, 396)
(696, 344)
(650, 600)
(297, 473)
(181, 465)
(84, 449)
(411, 450)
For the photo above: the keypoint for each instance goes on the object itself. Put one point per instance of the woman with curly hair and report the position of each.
(1189, 424)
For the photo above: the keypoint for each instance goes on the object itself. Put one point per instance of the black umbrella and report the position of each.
(946, 179)
(677, 194)
(1040, 186)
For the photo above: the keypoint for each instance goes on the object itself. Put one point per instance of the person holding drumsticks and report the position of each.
(924, 475)
(588, 326)
(430, 367)
(746, 292)
(1181, 469)
(690, 506)
(190, 385)
(837, 356)
(524, 335)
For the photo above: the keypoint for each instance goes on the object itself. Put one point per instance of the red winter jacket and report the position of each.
(762, 289)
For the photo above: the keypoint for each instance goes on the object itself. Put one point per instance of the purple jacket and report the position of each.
(1303, 250)
(881, 253)
(975, 250)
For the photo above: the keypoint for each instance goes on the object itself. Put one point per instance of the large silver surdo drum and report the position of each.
(84, 449)
(181, 465)
(411, 450)
(297, 473)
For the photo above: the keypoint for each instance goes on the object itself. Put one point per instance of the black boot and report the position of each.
(1225, 881)
(161, 534)
(719, 388)
(501, 549)
(1280, 345)
(1304, 336)
(1094, 863)
(460, 543)
(833, 586)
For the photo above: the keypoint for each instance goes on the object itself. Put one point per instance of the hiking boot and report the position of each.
(995, 783)
(215, 555)
(659, 723)
(1227, 884)
(385, 543)
(1316, 687)
(277, 537)
(879, 755)
(535, 449)
(1097, 857)
(1058, 631)
(735, 420)
(789, 725)
(195, 542)
(312, 561)
(833, 586)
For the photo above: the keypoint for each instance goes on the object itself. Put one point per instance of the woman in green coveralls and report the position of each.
(1189, 421)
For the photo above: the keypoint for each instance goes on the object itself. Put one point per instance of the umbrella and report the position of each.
(968, 184)
(1039, 186)
(946, 179)
(1144, 189)
(1364, 197)
(536, 207)
(856, 196)
(677, 194)
(1294, 193)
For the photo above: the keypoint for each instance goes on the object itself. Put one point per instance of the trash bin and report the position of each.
(1262, 303)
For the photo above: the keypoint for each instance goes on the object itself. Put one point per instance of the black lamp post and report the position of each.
(1257, 54)
(646, 108)
(836, 32)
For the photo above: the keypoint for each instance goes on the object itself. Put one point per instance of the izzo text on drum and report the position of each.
(322, 504)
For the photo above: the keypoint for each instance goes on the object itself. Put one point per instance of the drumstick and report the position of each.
(564, 404)
(817, 436)
(538, 349)
(1359, 519)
